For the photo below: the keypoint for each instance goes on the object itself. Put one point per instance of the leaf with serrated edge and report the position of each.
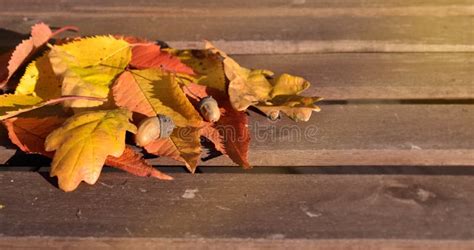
(183, 145)
(232, 125)
(207, 66)
(83, 143)
(151, 92)
(88, 66)
(132, 162)
(39, 80)
(212, 134)
(40, 34)
(29, 133)
(151, 56)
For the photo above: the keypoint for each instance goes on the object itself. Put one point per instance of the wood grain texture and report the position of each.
(228, 209)
(13, 5)
(347, 76)
(265, 27)
(361, 135)
(217, 244)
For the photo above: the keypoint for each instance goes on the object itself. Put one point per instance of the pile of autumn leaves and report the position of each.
(104, 86)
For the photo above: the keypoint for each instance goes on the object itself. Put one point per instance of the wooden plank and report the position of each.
(233, 209)
(362, 135)
(268, 27)
(200, 243)
(347, 76)
(388, 76)
(12, 5)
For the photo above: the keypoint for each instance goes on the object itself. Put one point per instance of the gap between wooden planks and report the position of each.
(377, 211)
(275, 47)
(266, 27)
(365, 135)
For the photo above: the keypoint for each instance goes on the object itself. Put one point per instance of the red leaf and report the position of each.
(211, 133)
(151, 56)
(40, 34)
(232, 125)
(132, 162)
(29, 133)
(133, 39)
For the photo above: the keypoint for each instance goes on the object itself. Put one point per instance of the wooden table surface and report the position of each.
(386, 164)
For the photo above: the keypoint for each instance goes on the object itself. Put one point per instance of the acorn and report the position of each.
(209, 109)
(274, 115)
(152, 128)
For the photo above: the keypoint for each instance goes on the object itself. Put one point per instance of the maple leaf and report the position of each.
(88, 66)
(232, 126)
(257, 88)
(151, 56)
(207, 66)
(40, 34)
(39, 80)
(132, 162)
(183, 145)
(83, 143)
(151, 92)
(13, 105)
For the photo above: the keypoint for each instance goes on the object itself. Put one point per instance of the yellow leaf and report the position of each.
(11, 103)
(287, 84)
(246, 87)
(152, 92)
(257, 88)
(88, 66)
(187, 141)
(39, 80)
(298, 108)
(83, 143)
(207, 66)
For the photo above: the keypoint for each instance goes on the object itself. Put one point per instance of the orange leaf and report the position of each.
(40, 34)
(165, 148)
(151, 92)
(132, 162)
(232, 125)
(151, 56)
(183, 145)
(127, 93)
(29, 133)
(213, 135)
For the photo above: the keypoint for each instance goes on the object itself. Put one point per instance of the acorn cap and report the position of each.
(166, 126)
